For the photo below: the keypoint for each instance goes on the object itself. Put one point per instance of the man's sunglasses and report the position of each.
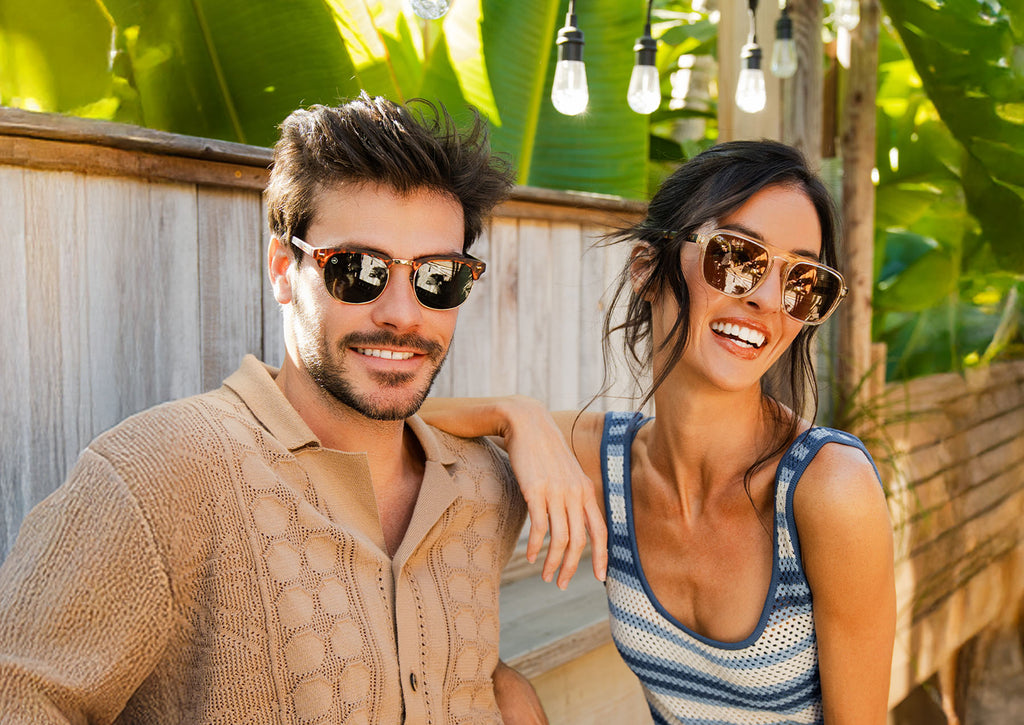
(440, 281)
(736, 265)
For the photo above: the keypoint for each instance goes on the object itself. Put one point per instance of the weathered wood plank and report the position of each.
(535, 306)
(543, 626)
(230, 290)
(102, 160)
(15, 362)
(564, 259)
(143, 296)
(92, 132)
(592, 291)
(941, 475)
(988, 598)
(934, 571)
(504, 264)
(58, 343)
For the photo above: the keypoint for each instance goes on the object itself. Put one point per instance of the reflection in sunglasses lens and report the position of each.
(810, 292)
(734, 265)
(355, 278)
(358, 277)
(443, 284)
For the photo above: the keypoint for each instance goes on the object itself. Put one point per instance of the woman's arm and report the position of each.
(557, 485)
(847, 549)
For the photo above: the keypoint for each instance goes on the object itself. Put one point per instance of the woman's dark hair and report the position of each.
(706, 189)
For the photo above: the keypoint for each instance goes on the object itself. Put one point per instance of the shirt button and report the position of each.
(412, 681)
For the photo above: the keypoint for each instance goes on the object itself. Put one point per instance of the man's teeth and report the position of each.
(386, 354)
(744, 335)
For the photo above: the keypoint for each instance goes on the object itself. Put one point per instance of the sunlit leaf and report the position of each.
(55, 56)
(232, 69)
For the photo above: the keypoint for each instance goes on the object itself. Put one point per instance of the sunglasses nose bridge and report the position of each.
(766, 292)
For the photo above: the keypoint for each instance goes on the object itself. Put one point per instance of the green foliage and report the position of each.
(949, 268)
(233, 69)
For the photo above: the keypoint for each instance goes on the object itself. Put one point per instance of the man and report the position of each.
(297, 546)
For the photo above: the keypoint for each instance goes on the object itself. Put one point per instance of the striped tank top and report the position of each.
(771, 677)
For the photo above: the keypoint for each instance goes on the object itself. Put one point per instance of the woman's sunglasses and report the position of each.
(736, 265)
(440, 281)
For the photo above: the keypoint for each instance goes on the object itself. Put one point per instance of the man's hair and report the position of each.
(374, 141)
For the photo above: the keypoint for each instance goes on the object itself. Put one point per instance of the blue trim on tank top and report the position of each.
(632, 426)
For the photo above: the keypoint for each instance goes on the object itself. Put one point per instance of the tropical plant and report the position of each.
(950, 194)
(233, 69)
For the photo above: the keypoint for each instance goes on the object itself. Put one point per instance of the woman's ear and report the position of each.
(641, 267)
(279, 262)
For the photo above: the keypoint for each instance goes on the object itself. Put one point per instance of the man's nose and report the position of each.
(397, 307)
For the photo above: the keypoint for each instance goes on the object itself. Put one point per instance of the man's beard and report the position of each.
(328, 371)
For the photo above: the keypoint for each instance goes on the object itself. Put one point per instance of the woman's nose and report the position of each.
(768, 294)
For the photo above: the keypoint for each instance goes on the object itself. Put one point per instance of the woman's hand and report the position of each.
(559, 495)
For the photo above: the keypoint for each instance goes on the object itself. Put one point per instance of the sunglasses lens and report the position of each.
(355, 277)
(811, 291)
(443, 284)
(734, 265)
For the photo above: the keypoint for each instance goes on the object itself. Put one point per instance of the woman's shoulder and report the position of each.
(840, 486)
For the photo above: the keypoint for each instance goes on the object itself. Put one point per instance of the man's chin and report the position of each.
(387, 410)
(387, 403)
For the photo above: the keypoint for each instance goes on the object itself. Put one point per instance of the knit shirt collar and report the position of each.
(254, 382)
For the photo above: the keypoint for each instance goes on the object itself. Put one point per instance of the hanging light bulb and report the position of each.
(847, 13)
(430, 9)
(784, 49)
(751, 95)
(750, 91)
(644, 94)
(569, 94)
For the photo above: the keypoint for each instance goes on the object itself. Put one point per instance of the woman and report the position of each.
(750, 573)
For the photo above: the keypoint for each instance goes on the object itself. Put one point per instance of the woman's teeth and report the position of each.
(742, 335)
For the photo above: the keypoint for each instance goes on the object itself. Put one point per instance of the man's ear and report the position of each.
(279, 263)
(641, 267)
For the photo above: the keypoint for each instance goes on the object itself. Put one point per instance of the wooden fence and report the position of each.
(134, 266)
(955, 472)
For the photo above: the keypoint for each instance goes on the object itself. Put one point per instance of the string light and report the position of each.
(569, 93)
(847, 13)
(751, 95)
(430, 9)
(644, 94)
(784, 56)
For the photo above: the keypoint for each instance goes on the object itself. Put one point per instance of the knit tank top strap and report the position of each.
(791, 469)
(619, 429)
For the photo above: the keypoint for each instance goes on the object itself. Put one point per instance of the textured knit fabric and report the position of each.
(208, 561)
(771, 677)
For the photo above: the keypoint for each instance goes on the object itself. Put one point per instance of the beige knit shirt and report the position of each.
(207, 561)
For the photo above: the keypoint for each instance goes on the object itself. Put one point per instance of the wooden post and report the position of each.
(802, 96)
(857, 149)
